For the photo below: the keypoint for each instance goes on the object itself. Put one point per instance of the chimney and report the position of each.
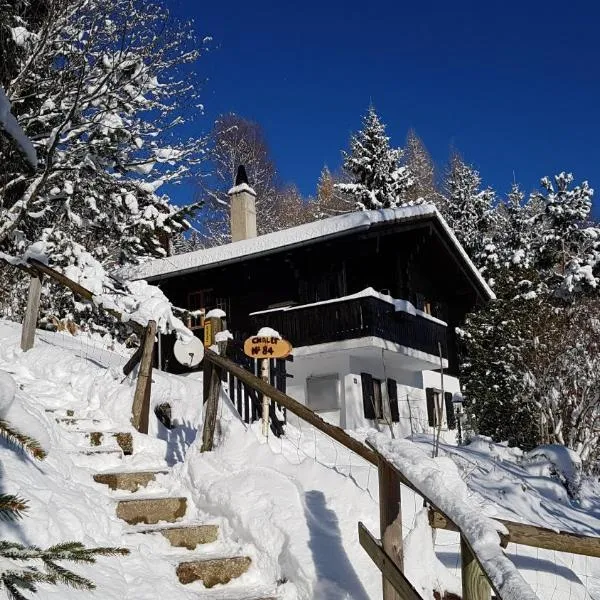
(243, 208)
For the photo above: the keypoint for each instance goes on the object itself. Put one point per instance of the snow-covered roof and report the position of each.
(297, 236)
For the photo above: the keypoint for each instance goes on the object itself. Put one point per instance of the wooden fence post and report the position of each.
(474, 584)
(141, 398)
(211, 384)
(265, 376)
(31, 312)
(390, 522)
(212, 390)
(212, 326)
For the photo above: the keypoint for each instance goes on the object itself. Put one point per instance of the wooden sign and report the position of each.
(267, 347)
(208, 333)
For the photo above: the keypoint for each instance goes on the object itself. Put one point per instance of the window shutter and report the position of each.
(450, 414)
(368, 395)
(392, 391)
(429, 395)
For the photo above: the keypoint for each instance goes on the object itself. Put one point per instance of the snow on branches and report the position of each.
(102, 90)
(378, 179)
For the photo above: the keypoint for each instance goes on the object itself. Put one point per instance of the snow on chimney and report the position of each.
(243, 208)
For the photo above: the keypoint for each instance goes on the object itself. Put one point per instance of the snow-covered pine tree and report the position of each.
(568, 246)
(102, 89)
(492, 344)
(377, 178)
(530, 358)
(467, 208)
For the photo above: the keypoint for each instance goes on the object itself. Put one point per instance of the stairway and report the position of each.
(206, 560)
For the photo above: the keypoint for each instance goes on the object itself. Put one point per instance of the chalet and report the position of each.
(369, 300)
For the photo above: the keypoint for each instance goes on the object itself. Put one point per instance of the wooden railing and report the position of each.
(387, 552)
(355, 318)
(143, 355)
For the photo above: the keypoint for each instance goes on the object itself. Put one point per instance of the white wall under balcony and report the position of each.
(348, 359)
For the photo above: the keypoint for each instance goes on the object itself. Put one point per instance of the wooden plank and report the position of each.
(213, 391)
(337, 433)
(207, 368)
(534, 536)
(238, 395)
(390, 522)
(247, 409)
(474, 583)
(386, 565)
(134, 360)
(31, 312)
(141, 398)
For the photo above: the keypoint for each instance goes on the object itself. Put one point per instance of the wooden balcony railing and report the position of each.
(354, 318)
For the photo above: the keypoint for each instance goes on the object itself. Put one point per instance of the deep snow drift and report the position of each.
(291, 504)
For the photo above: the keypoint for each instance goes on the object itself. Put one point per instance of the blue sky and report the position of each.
(513, 86)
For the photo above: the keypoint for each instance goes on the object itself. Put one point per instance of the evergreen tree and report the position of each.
(467, 208)
(530, 358)
(377, 178)
(569, 246)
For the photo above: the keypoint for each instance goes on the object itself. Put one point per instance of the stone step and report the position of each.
(73, 423)
(185, 536)
(151, 510)
(59, 412)
(213, 571)
(127, 481)
(116, 452)
(99, 439)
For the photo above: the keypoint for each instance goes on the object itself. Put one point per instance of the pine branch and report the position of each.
(20, 440)
(11, 507)
(66, 577)
(24, 579)
(77, 552)
(16, 580)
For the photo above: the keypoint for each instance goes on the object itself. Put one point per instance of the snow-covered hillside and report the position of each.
(292, 504)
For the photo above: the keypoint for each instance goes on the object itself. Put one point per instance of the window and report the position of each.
(380, 399)
(435, 408)
(323, 393)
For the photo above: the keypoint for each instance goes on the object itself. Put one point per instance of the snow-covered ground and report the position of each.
(291, 504)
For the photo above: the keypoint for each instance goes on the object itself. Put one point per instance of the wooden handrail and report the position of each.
(35, 268)
(532, 535)
(477, 580)
(472, 566)
(519, 533)
(388, 568)
(295, 407)
(82, 292)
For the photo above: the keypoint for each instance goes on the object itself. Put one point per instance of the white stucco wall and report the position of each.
(412, 407)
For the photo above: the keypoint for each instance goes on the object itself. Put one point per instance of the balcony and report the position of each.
(363, 315)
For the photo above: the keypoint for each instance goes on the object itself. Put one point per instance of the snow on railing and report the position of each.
(439, 482)
(399, 305)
